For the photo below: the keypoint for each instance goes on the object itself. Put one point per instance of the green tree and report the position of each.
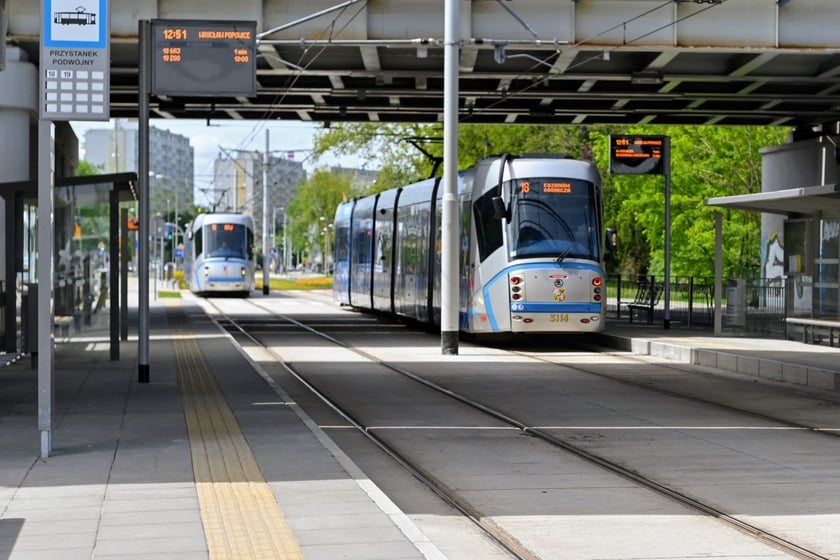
(86, 169)
(706, 162)
(92, 220)
(387, 146)
(313, 207)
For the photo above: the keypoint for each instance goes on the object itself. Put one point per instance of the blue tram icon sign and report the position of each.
(75, 62)
(75, 23)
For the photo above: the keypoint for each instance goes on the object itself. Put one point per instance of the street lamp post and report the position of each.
(286, 261)
(326, 232)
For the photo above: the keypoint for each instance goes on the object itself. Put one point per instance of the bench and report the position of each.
(813, 330)
(62, 323)
(646, 299)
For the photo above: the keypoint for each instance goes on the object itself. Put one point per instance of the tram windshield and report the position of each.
(553, 217)
(226, 240)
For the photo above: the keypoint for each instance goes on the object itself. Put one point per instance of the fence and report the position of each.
(755, 306)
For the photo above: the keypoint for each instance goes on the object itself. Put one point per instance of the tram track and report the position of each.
(505, 539)
(830, 432)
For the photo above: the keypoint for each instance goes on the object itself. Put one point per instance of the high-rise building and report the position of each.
(171, 163)
(238, 180)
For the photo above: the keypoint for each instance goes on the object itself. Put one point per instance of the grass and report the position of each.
(314, 283)
(168, 294)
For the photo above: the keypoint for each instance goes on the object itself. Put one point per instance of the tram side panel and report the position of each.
(341, 253)
(361, 253)
(412, 247)
(383, 251)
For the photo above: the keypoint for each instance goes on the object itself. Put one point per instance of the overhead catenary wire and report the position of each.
(330, 30)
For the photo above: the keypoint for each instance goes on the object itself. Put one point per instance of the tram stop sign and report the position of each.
(637, 155)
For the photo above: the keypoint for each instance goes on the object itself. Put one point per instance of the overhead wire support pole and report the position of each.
(667, 167)
(143, 206)
(266, 279)
(450, 276)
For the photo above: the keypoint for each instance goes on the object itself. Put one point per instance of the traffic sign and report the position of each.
(75, 63)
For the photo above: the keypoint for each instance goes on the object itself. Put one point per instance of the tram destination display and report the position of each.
(204, 58)
(637, 155)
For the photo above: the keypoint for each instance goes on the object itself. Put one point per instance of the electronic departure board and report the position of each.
(637, 155)
(204, 58)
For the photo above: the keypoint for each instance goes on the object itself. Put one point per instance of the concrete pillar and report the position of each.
(18, 109)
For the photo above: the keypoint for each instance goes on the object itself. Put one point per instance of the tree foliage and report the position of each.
(313, 206)
(706, 161)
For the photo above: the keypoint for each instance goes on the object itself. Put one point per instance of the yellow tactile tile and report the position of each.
(241, 517)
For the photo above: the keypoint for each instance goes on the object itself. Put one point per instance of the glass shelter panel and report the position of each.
(827, 271)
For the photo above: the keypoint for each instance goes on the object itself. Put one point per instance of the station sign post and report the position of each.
(648, 155)
(191, 58)
(73, 84)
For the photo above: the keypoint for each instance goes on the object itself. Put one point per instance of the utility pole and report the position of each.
(266, 279)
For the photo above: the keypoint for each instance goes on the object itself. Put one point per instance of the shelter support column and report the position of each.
(10, 314)
(124, 274)
(718, 272)
(115, 272)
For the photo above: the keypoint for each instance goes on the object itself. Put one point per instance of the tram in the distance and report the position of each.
(219, 254)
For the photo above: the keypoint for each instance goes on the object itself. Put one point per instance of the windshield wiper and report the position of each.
(562, 256)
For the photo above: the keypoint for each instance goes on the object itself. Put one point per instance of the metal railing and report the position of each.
(749, 306)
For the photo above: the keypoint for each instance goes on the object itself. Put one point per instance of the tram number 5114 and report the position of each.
(558, 317)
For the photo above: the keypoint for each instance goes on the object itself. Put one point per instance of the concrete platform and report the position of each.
(123, 480)
(800, 365)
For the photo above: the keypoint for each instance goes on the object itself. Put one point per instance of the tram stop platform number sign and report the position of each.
(204, 58)
(637, 155)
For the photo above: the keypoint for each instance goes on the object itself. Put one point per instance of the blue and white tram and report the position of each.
(531, 255)
(219, 254)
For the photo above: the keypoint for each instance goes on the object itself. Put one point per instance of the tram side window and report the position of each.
(198, 237)
(250, 245)
(487, 226)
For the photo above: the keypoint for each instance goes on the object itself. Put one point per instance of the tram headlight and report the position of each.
(243, 272)
(206, 271)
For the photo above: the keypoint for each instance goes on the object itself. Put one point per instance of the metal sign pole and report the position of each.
(666, 156)
(46, 311)
(266, 278)
(450, 230)
(143, 207)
